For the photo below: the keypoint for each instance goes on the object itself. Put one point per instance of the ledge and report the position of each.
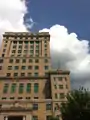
(26, 34)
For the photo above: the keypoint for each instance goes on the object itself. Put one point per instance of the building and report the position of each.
(30, 89)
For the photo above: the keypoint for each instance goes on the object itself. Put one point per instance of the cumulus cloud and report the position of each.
(12, 14)
(68, 52)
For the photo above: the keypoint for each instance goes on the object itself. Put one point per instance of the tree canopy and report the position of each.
(77, 106)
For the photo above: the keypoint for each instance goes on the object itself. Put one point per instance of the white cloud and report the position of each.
(12, 15)
(66, 49)
(71, 53)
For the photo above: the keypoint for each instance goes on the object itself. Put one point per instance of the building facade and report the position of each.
(30, 89)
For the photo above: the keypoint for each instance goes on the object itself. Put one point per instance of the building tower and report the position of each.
(30, 89)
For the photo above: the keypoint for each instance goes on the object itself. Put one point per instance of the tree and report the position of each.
(77, 106)
(54, 118)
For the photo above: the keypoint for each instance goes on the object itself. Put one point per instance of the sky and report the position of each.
(74, 14)
(68, 23)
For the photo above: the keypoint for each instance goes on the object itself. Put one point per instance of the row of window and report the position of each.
(60, 86)
(26, 43)
(26, 46)
(60, 78)
(48, 117)
(20, 88)
(36, 106)
(19, 98)
(59, 95)
(25, 51)
(24, 60)
(36, 74)
(26, 67)
(25, 55)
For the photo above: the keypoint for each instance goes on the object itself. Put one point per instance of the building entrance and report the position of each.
(15, 117)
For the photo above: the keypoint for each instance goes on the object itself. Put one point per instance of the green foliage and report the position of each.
(54, 118)
(77, 106)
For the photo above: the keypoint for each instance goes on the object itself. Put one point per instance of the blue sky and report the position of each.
(73, 14)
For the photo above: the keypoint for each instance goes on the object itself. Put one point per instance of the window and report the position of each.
(26, 42)
(1, 60)
(17, 60)
(4, 98)
(12, 98)
(16, 67)
(9, 67)
(4, 50)
(20, 98)
(35, 74)
(31, 42)
(20, 42)
(37, 42)
(14, 46)
(21, 87)
(31, 51)
(35, 97)
(15, 74)
(20, 47)
(34, 117)
(60, 78)
(31, 46)
(48, 106)
(45, 45)
(35, 106)
(28, 88)
(66, 86)
(62, 95)
(46, 67)
(46, 60)
(30, 60)
(19, 51)
(19, 55)
(5, 89)
(56, 96)
(36, 61)
(46, 74)
(3, 55)
(45, 54)
(22, 74)
(13, 88)
(36, 67)
(48, 117)
(23, 67)
(15, 42)
(8, 74)
(25, 51)
(29, 74)
(61, 86)
(37, 51)
(11, 60)
(24, 60)
(6, 41)
(36, 87)
(65, 79)
(37, 47)
(13, 51)
(55, 86)
(57, 106)
(28, 98)
(29, 67)
(0, 67)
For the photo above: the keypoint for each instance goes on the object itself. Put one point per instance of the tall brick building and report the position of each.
(29, 88)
